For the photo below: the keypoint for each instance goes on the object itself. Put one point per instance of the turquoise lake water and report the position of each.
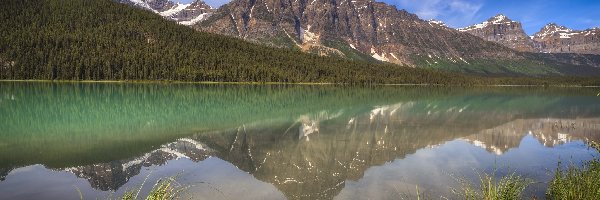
(285, 141)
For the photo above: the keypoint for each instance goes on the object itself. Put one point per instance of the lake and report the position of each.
(285, 141)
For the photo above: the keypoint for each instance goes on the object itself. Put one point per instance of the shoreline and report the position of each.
(280, 83)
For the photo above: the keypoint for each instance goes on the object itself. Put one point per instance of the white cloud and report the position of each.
(453, 12)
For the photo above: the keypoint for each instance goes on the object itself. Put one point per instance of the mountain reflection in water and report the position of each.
(296, 142)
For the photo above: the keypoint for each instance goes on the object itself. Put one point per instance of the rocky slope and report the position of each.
(501, 29)
(187, 14)
(348, 28)
(559, 39)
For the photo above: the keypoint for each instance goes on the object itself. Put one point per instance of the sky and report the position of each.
(533, 14)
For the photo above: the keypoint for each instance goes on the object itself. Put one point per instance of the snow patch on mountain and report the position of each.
(197, 19)
(142, 4)
(351, 45)
(174, 10)
(194, 12)
(433, 22)
(498, 19)
(375, 55)
(563, 32)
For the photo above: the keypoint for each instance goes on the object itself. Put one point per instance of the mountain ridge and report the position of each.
(558, 39)
(552, 38)
(368, 30)
(292, 25)
(376, 32)
(372, 28)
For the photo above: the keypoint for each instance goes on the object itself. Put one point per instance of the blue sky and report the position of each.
(212, 3)
(534, 14)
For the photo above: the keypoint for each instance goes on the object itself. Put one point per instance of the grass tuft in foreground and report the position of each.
(507, 187)
(576, 183)
(163, 189)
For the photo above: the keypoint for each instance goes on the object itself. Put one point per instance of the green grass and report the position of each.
(503, 67)
(573, 183)
(281, 40)
(490, 187)
(163, 189)
(576, 183)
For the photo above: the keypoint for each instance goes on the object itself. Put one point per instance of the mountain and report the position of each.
(186, 14)
(559, 39)
(552, 38)
(105, 40)
(501, 29)
(377, 32)
(358, 29)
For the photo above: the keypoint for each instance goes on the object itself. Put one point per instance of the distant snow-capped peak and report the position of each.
(498, 19)
(555, 29)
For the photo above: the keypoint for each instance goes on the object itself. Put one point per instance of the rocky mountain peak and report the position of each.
(502, 30)
(499, 19)
(554, 26)
(553, 29)
(552, 38)
(555, 38)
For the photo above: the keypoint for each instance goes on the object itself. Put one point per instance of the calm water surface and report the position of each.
(284, 142)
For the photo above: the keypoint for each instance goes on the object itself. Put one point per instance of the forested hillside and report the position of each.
(104, 40)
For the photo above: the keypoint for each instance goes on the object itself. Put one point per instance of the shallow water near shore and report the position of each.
(285, 141)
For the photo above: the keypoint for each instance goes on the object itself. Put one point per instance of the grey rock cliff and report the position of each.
(501, 29)
(348, 27)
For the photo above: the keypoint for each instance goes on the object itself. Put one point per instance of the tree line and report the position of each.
(105, 40)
